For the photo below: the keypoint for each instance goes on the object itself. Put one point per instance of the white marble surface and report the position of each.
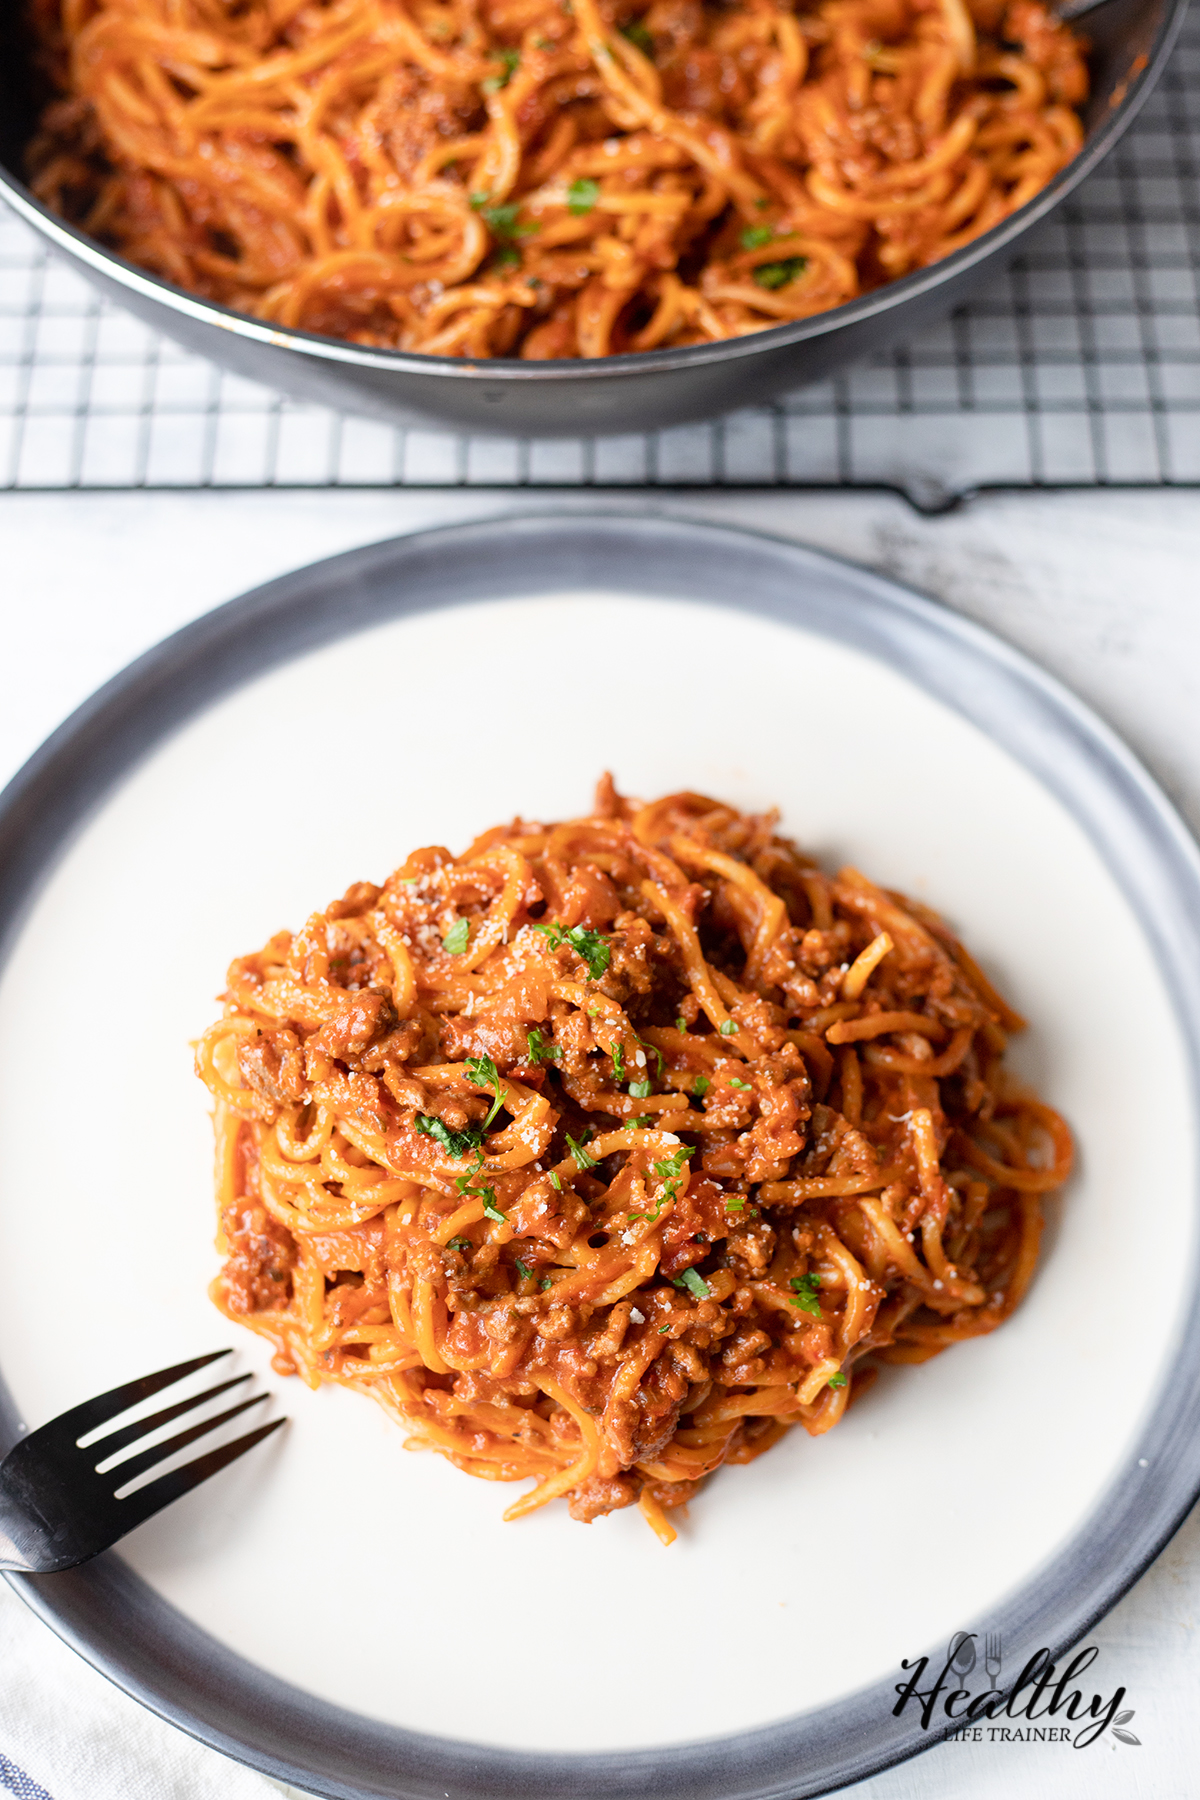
(1103, 589)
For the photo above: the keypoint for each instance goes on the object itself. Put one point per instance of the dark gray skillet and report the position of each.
(115, 1621)
(1131, 39)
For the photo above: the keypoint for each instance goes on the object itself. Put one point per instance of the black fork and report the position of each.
(57, 1509)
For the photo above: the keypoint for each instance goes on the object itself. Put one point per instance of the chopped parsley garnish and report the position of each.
(671, 1167)
(755, 236)
(455, 940)
(523, 1269)
(804, 1294)
(746, 1086)
(478, 201)
(582, 1160)
(638, 35)
(540, 1048)
(582, 195)
(466, 1187)
(490, 1209)
(617, 1053)
(555, 1182)
(638, 1123)
(737, 1204)
(507, 257)
(669, 1170)
(780, 274)
(701, 1086)
(460, 1243)
(589, 945)
(728, 1028)
(639, 1089)
(484, 1073)
(681, 1023)
(511, 60)
(545, 1283)
(463, 1182)
(655, 1052)
(455, 1143)
(836, 1381)
(501, 221)
(694, 1283)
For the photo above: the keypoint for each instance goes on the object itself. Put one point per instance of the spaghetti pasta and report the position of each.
(541, 178)
(608, 1151)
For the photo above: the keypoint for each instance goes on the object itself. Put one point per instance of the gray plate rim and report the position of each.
(149, 1649)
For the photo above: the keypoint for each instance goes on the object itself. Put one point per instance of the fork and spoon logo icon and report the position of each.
(962, 1657)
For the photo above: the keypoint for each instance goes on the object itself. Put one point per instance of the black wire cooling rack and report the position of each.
(1080, 368)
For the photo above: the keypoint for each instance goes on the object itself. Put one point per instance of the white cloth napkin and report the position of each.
(68, 1734)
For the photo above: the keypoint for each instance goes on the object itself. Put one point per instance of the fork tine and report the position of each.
(135, 1509)
(129, 1434)
(137, 1465)
(72, 1425)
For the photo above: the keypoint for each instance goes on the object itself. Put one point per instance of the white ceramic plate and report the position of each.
(309, 736)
